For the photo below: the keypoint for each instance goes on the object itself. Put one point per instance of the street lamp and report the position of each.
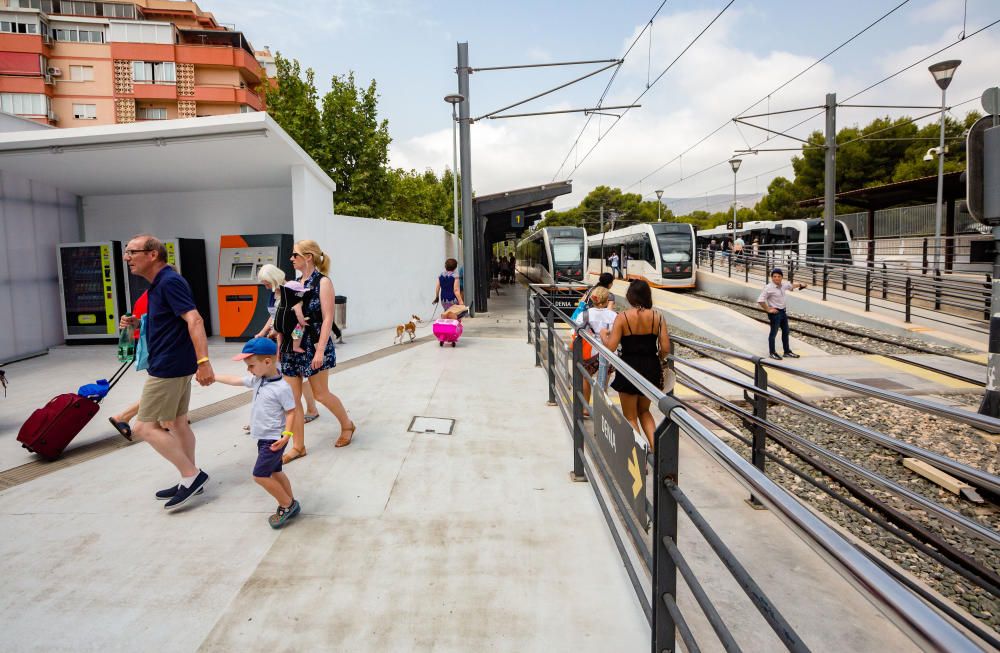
(943, 73)
(659, 204)
(734, 163)
(454, 99)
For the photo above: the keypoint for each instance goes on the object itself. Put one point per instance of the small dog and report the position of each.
(409, 329)
(495, 286)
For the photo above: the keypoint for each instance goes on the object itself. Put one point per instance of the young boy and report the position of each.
(270, 422)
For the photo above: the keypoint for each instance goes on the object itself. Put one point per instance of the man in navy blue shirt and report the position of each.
(178, 350)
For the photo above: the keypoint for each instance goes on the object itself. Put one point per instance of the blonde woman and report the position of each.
(317, 358)
(273, 278)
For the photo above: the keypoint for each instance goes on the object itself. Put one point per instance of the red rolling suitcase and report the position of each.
(53, 426)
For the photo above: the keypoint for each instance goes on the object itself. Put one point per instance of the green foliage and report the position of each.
(421, 197)
(620, 210)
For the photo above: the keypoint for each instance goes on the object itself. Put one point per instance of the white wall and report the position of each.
(34, 218)
(198, 214)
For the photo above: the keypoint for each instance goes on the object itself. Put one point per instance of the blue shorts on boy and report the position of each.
(272, 398)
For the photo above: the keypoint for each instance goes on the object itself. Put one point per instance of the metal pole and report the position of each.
(665, 466)
(454, 178)
(578, 473)
(940, 189)
(732, 241)
(470, 237)
(830, 177)
(991, 398)
(551, 353)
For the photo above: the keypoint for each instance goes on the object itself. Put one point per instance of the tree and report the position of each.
(356, 153)
(420, 197)
(292, 100)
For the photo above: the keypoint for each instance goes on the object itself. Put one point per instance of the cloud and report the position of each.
(716, 79)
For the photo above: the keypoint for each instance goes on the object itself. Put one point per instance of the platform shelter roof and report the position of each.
(922, 190)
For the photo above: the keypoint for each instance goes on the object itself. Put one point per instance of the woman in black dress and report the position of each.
(644, 340)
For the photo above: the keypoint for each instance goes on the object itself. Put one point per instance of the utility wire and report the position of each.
(778, 88)
(653, 83)
(607, 87)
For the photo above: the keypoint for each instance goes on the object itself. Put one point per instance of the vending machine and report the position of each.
(187, 256)
(243, 300)
(92, 290)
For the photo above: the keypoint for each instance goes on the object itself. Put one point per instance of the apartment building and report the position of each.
(73, 63)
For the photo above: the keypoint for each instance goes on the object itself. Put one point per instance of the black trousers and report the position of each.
(778, 320)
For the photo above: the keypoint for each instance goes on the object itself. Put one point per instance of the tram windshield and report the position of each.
(567, 251)
(675, 248)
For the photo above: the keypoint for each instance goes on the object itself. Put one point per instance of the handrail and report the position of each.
(917, 619)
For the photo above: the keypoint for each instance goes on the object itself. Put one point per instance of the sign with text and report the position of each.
(624, 459)
(730, 226)
(517, 219)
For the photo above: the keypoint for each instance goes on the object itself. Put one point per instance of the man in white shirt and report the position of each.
(772, 300)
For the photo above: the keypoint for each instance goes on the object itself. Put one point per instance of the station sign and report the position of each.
(517, 219)
(625, 460)
(729, 225)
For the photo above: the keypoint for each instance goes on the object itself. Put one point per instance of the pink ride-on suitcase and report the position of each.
(447, 331)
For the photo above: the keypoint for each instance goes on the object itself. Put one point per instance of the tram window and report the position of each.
(675, 248)
(543, 255)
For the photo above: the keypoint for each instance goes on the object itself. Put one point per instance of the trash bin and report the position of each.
(340, 311)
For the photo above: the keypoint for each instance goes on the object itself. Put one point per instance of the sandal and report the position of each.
(292, 454)
(122, 427)
(346, 439)
(309, 418)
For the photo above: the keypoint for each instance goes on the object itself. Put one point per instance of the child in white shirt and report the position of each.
(598, 319)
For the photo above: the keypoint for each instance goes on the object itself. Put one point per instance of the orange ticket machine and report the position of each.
(243, 300)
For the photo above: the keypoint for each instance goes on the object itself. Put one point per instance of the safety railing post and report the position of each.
(528, 314)
(843, 278)
(538, 331)
(908, 295)
(826, 277)
(814, 274)
(730, 258)
(578, 473)
(923, 259)
(746, 267)
(551, 358)
(868, 290)
(885, 282)
(791, 271)
(759, 444)
(665, 465)
(937, 290)
(987, 296)
(711, 258)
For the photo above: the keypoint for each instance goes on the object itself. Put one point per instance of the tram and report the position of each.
(662, 253)
(553, 255)
(804, 238)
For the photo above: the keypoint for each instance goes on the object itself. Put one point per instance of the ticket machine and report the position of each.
(92, 290)
(243, 300)
(187, 256)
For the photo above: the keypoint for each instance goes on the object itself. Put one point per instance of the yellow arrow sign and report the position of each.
(633, 469)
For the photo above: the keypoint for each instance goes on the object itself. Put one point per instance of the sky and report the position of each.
(409, 48)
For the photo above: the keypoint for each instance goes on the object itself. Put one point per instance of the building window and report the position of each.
(78, 8)
(78, 35)
(44, 5)
(246, 108)
(81, 73)
(113, 10)
(85, 111)
(141, 32)
(154, 72)
(13, 27)
(153, 114)
(24, 104)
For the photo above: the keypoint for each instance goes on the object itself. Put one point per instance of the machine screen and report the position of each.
(242, 272)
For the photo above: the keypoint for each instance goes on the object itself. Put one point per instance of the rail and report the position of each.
(661, 561)
(935, 297)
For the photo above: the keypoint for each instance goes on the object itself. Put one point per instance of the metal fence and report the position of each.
(661, 562)
(933, 296)
(907, 221)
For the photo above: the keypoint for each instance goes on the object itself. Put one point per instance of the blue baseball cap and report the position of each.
(257, 347)
(778, 271)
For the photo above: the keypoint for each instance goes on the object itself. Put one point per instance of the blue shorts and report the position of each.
(268, 462)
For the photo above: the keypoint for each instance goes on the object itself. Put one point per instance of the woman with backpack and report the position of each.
(318, 355)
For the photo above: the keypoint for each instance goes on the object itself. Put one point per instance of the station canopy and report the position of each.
(913, 191)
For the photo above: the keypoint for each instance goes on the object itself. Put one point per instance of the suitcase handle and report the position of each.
(116, 377)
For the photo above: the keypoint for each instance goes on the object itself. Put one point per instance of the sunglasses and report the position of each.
(133, 252)
(297, 255)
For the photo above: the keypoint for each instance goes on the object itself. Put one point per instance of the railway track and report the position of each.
(833, 338)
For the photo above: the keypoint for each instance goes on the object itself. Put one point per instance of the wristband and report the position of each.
(203, 360)
(288, 433)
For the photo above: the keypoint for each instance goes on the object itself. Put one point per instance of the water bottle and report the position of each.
(126, 343)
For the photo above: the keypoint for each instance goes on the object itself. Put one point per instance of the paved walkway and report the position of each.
(470, 541)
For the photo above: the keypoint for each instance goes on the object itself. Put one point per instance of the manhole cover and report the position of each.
(436, 425)
(883, 384)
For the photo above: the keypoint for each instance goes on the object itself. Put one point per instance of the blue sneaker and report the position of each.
(185, 493)
(283, 515)
(170, 492)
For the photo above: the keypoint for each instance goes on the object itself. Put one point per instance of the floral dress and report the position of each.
(300, 363)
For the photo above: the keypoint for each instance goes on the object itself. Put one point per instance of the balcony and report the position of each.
(22, 43)
(143, 91)
(220, 55)
(12, 84)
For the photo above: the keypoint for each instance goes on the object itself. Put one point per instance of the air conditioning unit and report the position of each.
(55, 72)
(52, 116)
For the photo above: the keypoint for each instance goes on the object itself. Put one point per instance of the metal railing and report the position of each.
(935, 297)
(906, 221)
(661, 559)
